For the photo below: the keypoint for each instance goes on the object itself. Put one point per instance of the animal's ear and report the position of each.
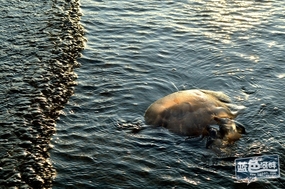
(220, 121)
(217, 119)
(240, 128)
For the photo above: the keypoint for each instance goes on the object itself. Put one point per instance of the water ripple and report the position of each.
(140, 51)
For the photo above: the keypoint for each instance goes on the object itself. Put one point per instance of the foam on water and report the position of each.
(40, 43)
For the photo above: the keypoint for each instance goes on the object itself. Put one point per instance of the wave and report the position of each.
(41, 42)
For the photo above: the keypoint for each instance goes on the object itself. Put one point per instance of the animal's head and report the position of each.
(229, 131)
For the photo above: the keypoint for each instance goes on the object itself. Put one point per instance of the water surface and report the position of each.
(40, 41)
(140, 51)
(136, 52)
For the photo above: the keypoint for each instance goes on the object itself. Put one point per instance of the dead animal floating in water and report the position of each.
(194, 112)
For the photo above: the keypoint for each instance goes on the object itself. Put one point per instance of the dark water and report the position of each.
(40, 41)
(137, 51)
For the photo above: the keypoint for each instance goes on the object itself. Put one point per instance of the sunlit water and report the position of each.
(138, 51)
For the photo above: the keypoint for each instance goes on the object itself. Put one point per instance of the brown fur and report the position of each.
(191, 112)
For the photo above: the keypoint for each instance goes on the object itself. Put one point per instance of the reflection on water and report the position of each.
(228, 21)
(226, 18)
(138, 52)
